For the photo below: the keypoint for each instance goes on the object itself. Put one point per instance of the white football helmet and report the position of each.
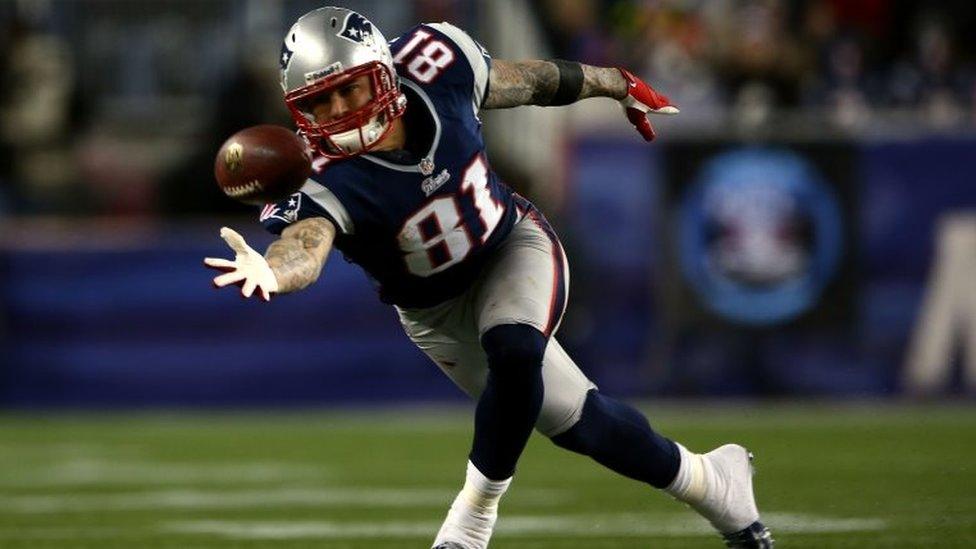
(325, 49)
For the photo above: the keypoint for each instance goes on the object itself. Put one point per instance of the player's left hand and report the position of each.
(249, 269)
(643, 99)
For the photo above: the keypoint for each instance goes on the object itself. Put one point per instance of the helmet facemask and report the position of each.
(358, 131)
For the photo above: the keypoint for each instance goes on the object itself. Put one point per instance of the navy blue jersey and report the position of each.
(420, 223)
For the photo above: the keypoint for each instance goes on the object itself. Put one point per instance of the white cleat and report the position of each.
(466, 526)
(729, 502)
(473, 513)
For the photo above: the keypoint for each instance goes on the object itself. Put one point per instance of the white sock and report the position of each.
(471, 518)
(480, 491)
(690, 484)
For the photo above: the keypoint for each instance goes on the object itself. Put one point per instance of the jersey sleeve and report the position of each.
(477, 57)
(313, 200)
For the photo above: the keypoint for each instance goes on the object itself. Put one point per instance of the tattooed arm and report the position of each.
(291, 263)
(515, 83)
(298, 256)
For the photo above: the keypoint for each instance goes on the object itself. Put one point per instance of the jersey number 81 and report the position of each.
(438, 236)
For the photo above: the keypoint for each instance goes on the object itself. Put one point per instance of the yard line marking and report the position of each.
(10, 451)
(812, 524)
(677, 525)
(199, 499)
(98, 471)
(237, 499)
(622, 525)
(64, 533)
(300, 530)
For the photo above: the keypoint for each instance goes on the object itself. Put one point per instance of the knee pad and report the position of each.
(514, 349)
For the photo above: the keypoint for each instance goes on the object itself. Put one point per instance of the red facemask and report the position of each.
(358, 131)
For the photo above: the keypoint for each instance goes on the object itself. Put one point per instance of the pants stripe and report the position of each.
(557, 302)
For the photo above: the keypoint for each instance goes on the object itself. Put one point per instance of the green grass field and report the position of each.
(827, 476)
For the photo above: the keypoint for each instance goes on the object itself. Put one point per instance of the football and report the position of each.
(262, 164)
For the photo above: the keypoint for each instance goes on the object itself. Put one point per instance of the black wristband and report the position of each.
(570, 83)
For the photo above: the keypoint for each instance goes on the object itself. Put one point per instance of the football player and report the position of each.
(403, 188)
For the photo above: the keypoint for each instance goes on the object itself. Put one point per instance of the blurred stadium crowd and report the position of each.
(853, 64)
(847, 126)
(115, 107)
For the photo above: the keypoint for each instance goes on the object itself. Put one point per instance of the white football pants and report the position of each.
(525, 282)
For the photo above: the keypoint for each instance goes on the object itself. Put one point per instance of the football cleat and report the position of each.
(468, 530)
(755, 536)
(466, 526)
(729, 502)
(471, 518)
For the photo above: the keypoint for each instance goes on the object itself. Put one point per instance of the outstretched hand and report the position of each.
(642, 100)
(249, 269)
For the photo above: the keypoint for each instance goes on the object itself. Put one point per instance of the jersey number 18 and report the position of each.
(426, 64)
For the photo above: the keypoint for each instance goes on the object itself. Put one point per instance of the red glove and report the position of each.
(642, 99)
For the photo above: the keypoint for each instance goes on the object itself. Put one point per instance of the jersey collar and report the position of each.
(433, 146)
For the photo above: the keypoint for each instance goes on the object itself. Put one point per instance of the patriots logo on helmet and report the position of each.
(357, 29)
(286, 54)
